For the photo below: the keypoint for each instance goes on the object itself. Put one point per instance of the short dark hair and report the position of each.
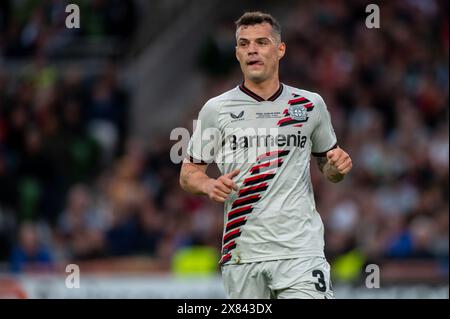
(257, 17)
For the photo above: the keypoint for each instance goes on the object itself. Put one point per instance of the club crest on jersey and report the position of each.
(298, 112)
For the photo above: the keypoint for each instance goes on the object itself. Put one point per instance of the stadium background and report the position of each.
(86, 115)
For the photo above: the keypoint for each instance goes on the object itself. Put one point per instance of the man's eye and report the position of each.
(243, 44)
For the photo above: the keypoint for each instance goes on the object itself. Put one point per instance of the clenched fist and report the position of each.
(219, 189)
(340, 160)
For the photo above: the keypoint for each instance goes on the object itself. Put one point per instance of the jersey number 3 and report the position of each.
(320, 285)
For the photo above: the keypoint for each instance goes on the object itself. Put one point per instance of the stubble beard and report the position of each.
(258, 77)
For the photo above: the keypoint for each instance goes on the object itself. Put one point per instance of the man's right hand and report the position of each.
(219, 189)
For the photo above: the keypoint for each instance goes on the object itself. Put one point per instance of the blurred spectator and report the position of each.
(81, 226)
(107, 113)
(126, 194)
(30, 254)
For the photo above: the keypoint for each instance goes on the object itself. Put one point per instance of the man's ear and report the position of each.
(281, 50)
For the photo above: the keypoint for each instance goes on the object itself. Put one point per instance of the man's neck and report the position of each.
(264, 89)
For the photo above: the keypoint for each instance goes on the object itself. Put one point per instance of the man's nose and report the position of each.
(252, 48)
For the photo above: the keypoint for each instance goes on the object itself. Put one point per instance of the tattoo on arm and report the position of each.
(321, 161)
(191, 171)
(192, 179)
(329, 171)
(188, 173)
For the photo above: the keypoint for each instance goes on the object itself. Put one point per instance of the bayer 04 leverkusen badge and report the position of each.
(298, 112)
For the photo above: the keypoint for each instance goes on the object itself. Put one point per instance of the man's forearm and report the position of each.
(329, 171)
(193, 180)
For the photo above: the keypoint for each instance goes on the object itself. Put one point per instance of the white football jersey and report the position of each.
(273, 214)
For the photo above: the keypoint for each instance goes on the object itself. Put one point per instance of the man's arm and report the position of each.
(335, 165)
(193, 179)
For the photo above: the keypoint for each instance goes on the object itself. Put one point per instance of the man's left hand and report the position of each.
(340, 160)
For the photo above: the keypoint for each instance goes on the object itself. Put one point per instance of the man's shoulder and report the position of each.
(224, 97)
(302, 92)
(213, 105)
(296, 92)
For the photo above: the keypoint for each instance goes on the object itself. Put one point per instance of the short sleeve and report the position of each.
(205, 141)
(323, 137)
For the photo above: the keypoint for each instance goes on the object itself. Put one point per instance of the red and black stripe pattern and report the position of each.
(253, 186)
(297, 100)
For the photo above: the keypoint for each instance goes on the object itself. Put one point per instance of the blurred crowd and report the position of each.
(32, 28)
(74, 185)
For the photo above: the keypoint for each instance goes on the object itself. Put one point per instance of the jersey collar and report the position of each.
(252, 94)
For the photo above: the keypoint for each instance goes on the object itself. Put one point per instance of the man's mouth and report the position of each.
(255, 62)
